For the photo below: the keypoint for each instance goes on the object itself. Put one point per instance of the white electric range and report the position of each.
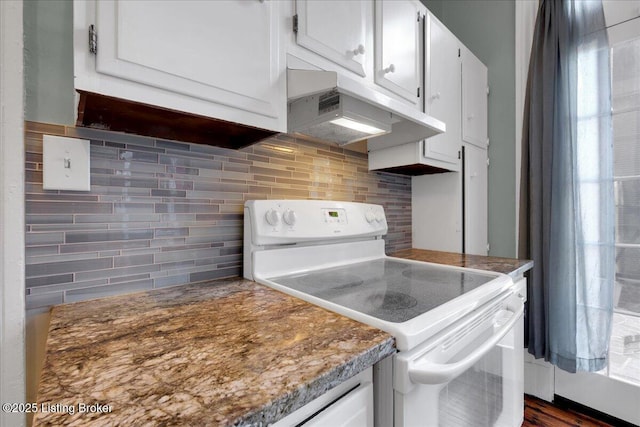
(458, 331)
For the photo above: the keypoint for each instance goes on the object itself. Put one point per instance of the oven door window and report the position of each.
(476, 398)
(485, 392)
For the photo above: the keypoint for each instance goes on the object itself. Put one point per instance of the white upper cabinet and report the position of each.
(443, 91)
(442, 100)
(398, 28)
(337, 30)
(219, 59)
(475, 91)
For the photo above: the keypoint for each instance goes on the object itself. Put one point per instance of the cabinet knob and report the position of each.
(359, 50)
(390, 69)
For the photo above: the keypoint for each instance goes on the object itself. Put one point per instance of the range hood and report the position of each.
(330, 107)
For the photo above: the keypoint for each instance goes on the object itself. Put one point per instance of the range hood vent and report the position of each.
(335, 117)
(334, 108)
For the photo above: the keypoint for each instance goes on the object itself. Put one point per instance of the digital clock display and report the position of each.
(333, 216)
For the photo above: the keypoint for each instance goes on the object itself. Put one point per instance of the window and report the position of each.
(624, 350)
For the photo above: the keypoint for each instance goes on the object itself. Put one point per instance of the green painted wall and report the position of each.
(487, 27)
(435, 7)
(48, 58)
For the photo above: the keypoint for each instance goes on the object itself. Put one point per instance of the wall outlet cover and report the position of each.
(65, 163)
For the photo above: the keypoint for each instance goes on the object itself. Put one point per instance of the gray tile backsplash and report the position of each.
(163, 213)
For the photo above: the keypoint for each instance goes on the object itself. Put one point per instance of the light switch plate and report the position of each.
(65, 163)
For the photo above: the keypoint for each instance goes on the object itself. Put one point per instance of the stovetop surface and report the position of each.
(390, 290)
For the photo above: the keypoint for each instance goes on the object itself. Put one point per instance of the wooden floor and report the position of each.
(540, 413)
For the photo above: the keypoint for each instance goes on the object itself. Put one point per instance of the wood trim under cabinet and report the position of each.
(121, 115)
(415, 169)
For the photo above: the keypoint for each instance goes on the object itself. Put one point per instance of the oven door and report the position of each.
(469, 375)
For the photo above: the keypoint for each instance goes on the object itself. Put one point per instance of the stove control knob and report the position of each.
(289, 217)
(379, 217)
(272, 216)
(370, 216)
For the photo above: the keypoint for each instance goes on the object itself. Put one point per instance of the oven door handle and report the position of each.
(427, 372)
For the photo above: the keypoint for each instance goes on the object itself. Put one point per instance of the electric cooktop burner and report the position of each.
(390, 290)
(391, 300)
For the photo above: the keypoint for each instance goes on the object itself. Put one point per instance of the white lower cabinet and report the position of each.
(218, 59)
(349, 404)
(355, 409)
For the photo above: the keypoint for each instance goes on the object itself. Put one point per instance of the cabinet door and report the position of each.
(336, 30)
(436, 211)
(475, 200)
(347, 404)
(475, 90)
(397, 40)
(353, 410)
(194, 53)
(443, 90)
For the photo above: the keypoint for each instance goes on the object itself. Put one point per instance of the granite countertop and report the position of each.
(510, 266)
(229, 352)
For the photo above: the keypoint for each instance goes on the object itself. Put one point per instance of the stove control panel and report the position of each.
(297, 221)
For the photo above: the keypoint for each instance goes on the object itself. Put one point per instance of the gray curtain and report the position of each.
(567, 220)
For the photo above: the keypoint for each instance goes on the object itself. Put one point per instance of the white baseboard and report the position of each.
(538, 378)
(614, 397)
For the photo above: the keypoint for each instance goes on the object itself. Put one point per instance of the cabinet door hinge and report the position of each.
(488, 162)
(488, 90)
(458, 53)
(295, 23)
(418, 13)
(459, 154)
(488, 247)
(93, 39)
